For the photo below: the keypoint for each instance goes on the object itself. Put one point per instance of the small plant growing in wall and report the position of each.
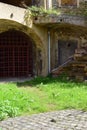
(36, 11)
(33, 12)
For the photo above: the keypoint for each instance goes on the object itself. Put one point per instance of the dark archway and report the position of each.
(16, 54)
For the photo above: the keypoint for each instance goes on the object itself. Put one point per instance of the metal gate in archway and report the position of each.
(16, 54)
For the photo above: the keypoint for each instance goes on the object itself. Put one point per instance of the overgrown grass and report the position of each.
(41, 95)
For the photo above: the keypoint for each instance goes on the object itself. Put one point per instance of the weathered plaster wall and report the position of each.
(62, 19)
(54, 50)
(66, 32)
(12, 13)
(68, 28)
(13, 18)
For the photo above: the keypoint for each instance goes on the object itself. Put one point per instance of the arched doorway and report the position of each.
(16, 54)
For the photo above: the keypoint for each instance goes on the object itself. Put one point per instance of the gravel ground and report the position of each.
(58, 120)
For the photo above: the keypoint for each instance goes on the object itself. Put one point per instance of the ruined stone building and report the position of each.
(40, 45)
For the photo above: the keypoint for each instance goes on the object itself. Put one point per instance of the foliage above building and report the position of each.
(41, 11)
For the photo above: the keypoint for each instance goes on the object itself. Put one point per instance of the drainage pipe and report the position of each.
(49, 55)
(50, 4)
(59, 1)
(78, 3)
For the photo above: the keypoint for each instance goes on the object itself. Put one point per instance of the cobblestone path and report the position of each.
(59, 120)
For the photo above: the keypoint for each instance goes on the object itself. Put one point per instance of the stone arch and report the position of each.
(72, 30)
(8, 25)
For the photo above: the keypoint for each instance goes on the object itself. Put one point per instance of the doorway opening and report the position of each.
(16, 54)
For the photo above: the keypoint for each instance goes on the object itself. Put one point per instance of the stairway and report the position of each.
(59, 70)
(76, 67)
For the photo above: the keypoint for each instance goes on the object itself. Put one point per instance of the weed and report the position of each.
(41, 95)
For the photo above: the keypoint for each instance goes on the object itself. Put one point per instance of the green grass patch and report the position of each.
(41, 95)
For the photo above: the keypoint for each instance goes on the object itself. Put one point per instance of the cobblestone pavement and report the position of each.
(59, 120)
